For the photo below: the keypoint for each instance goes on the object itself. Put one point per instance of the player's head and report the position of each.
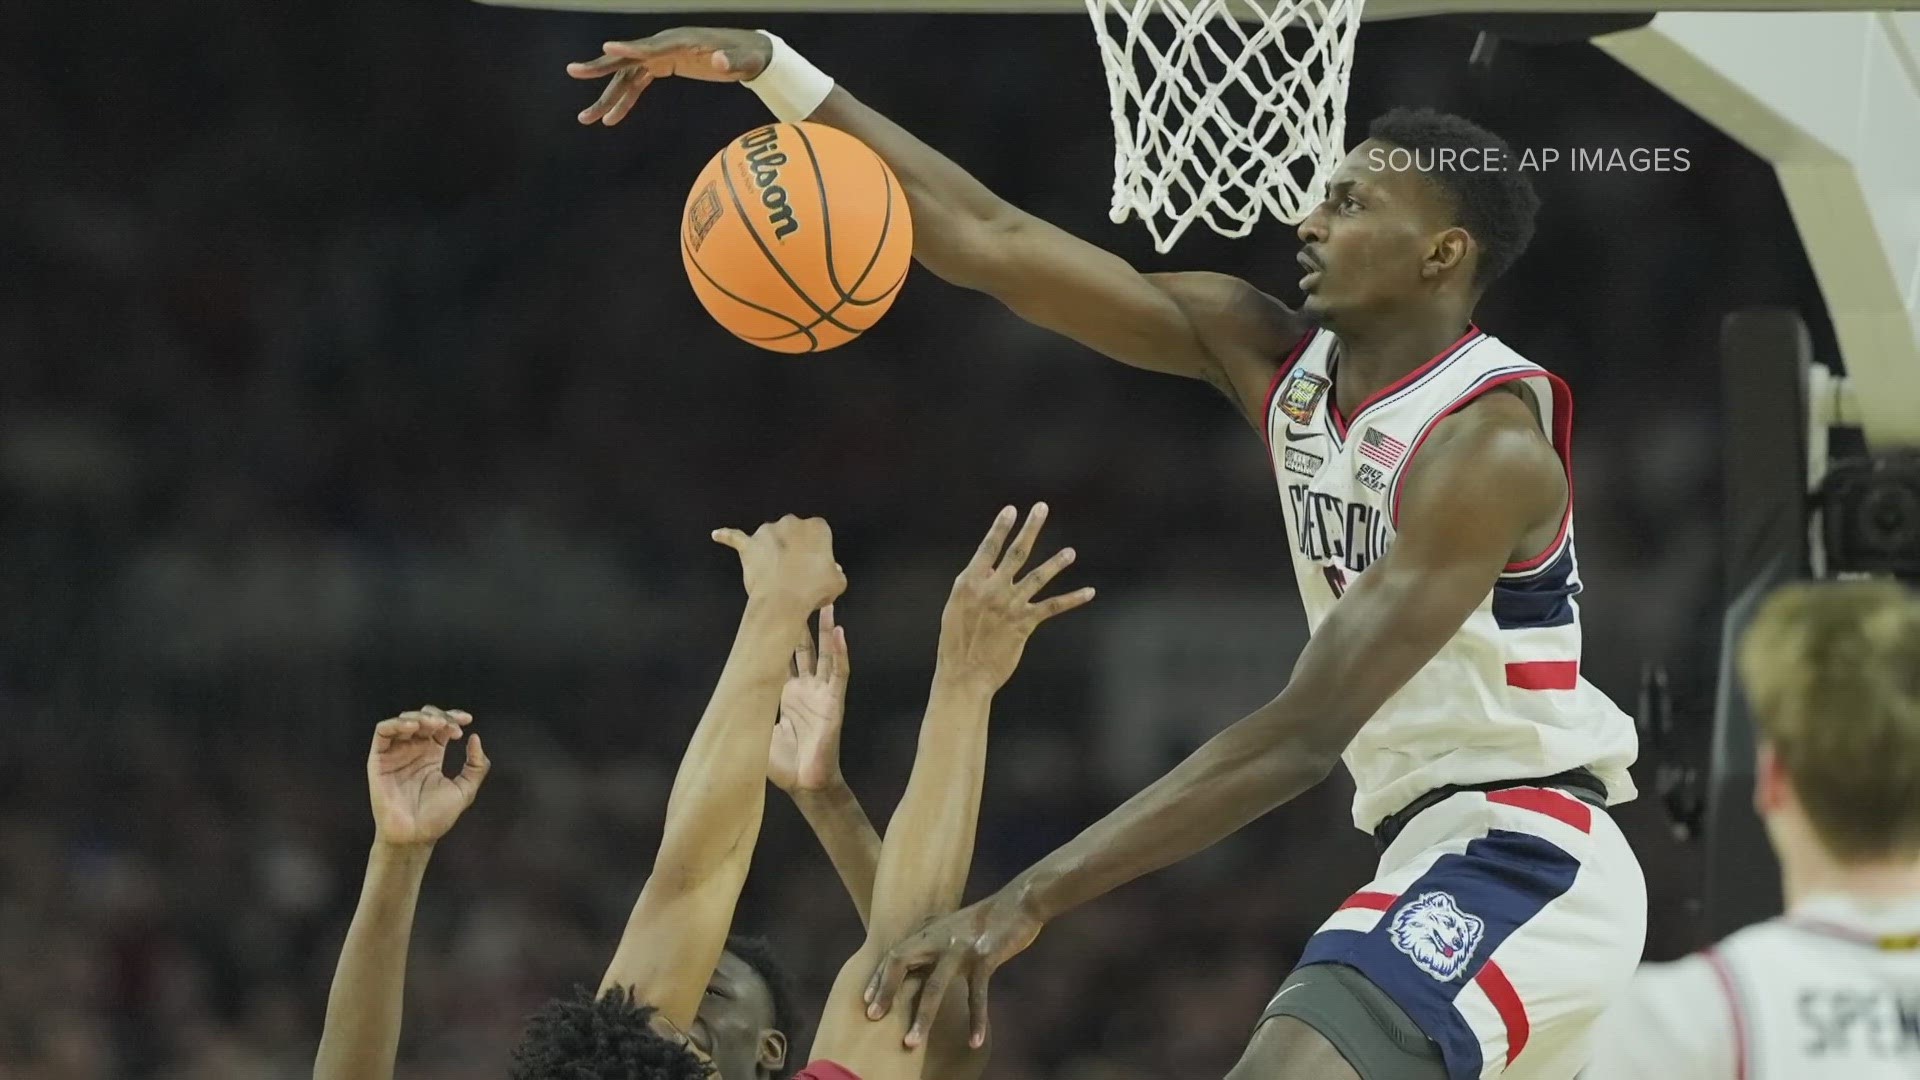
(1832, 672)
(1430, 208)
(749, 1013)
(740, 1032)
(604, 1037)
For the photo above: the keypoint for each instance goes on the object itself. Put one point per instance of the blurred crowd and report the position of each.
(346, 373)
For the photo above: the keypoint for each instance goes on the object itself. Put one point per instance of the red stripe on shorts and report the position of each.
(1544, 675)
(1506, 1001)
(1549, 802)
(1372, 901)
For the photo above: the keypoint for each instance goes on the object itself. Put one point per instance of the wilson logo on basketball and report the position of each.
(764, 158)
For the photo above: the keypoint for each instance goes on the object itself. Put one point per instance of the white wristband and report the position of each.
(791, 86)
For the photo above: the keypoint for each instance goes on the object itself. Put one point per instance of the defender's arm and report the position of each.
(362, 1033)
(851, 842)
(1481, 486)
(1196, 325)
(1486, 480)
(679, 925)
(970, 236)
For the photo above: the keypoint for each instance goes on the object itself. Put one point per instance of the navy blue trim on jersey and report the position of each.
(1402, 386)
(1338, 426)
(1504, 879)
(1540, 599)
(1487, 380)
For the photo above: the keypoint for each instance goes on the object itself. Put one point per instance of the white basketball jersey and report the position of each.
(1502, 700)
(1828, 992)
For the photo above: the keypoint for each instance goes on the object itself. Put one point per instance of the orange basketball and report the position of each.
(796, 237)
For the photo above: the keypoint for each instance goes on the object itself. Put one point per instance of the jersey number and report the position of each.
(1336, 581)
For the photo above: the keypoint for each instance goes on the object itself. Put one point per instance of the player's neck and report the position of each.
(1814, 874)
(1377, 355)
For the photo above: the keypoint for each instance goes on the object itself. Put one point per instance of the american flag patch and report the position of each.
(1383, 448)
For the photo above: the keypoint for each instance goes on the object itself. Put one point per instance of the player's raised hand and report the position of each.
(690, 52)
(789, 560)
(991, 611)
(804, 757)
(968, 945)
(413, 801)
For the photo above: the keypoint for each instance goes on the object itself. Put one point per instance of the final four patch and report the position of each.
(1302, 392)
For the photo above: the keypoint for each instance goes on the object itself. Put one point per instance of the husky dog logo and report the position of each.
(1436, 935)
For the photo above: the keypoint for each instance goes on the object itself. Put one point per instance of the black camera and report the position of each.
(1868, 514)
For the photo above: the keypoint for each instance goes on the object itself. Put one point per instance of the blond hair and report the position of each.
(1832, 671)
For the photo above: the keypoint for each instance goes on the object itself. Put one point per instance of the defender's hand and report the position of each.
(690, 52)
(969, 944)
(413, 801)
(990, 613)
(804, 756)
(790, 560)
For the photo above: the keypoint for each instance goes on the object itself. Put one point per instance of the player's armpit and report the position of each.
(672, 941)
(1247, 334)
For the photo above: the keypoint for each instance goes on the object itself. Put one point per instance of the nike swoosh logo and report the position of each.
(1303, 436)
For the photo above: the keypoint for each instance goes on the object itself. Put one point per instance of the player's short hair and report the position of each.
(1478, 173)
(758, 954)
(1832, 671)
(604, 1037)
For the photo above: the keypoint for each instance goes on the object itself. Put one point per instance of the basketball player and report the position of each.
(666, 958)
(747, 1010)
(1424, 471)
(1831, 989)
(787, 565)
(414, 805)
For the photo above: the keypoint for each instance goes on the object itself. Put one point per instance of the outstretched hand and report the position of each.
(969, 944)
(804, 756)
(690, 52)
(992, 612)
(414, 802)
(790, 560)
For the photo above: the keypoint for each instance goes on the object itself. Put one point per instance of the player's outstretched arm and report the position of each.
(804, 760)
(1481, 485)
(679, 925)
(414, 804)
(929, 847)
(1202, 326)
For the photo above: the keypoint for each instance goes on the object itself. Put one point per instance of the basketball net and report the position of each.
(1221, 111)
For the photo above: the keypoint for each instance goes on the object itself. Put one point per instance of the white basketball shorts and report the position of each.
(1504, 923)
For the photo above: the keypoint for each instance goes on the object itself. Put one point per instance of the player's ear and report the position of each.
(1769, 781)
(1449, 249)
(773, 1050)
